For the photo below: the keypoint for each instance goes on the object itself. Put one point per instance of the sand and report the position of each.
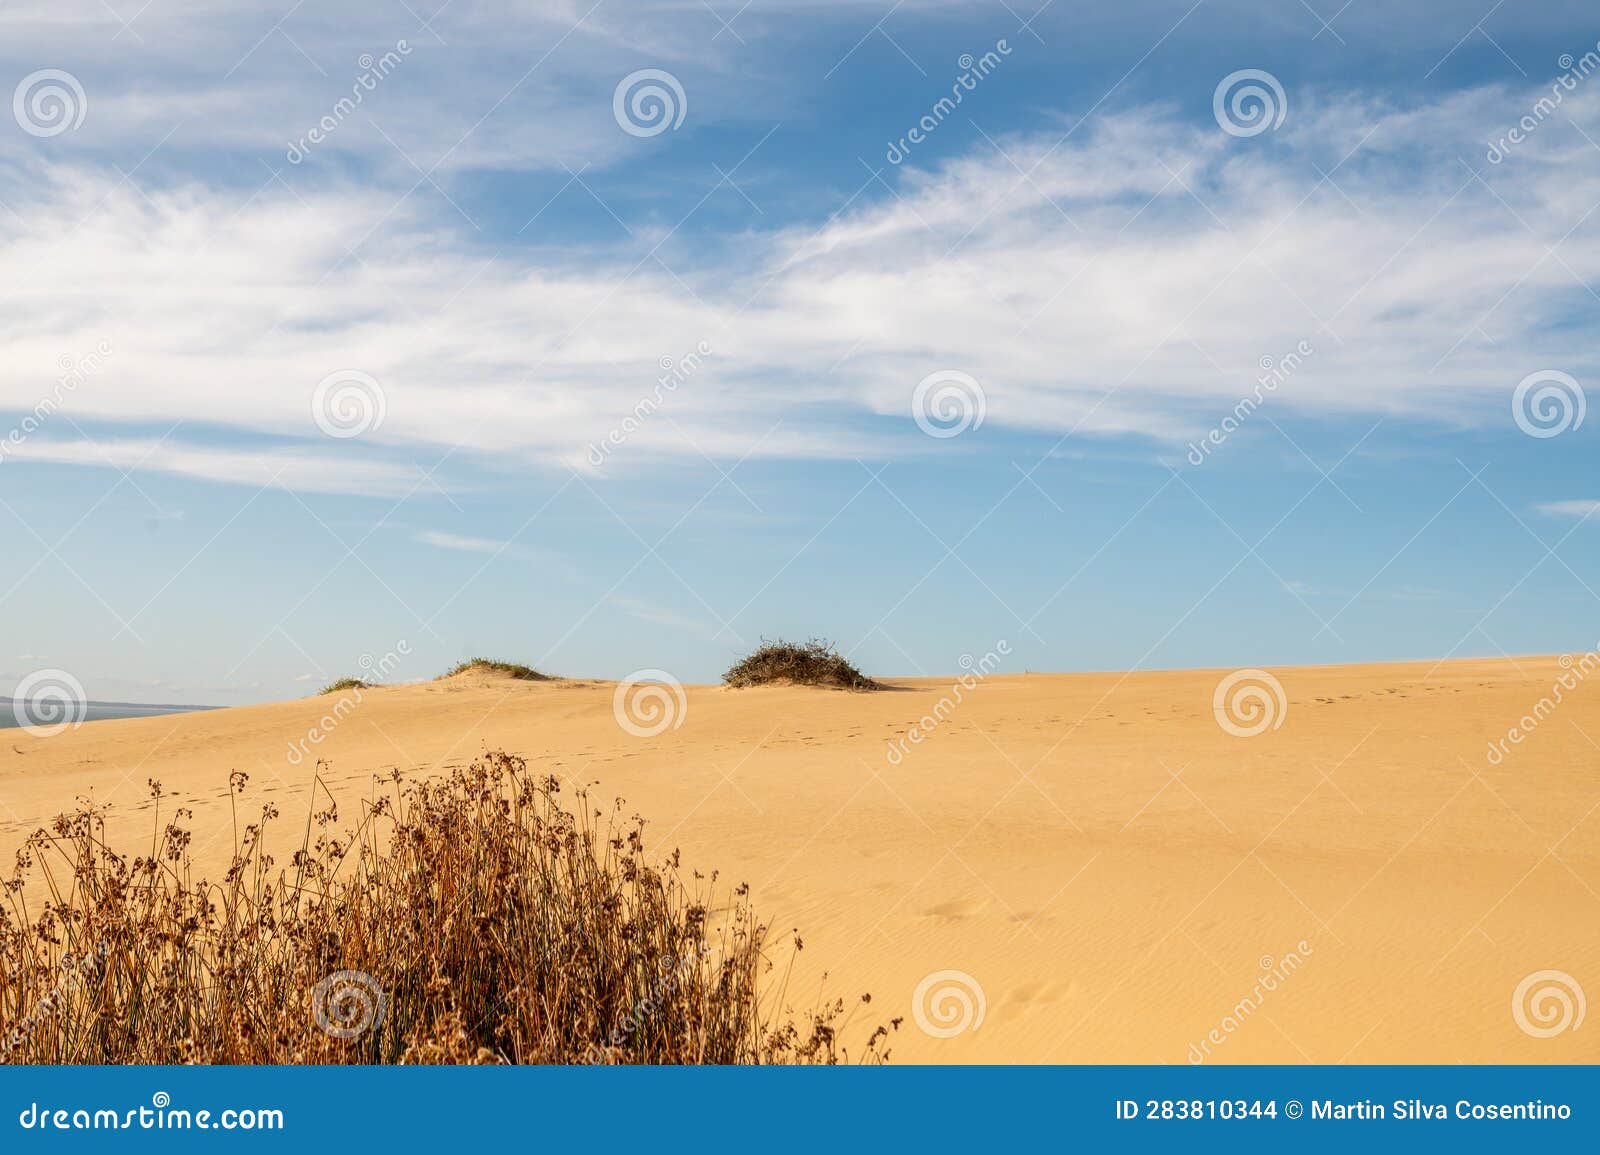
(1110, 867)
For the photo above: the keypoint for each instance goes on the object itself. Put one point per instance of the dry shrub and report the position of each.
(335, 687)
(485, 921)
(812, 663)
(492, 666)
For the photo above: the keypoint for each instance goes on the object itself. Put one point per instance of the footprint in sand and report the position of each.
(1032, 994)
(956, 908)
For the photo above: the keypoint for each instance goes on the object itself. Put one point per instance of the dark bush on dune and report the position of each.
(813, 663)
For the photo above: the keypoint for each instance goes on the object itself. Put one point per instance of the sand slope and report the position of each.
(1111, 868)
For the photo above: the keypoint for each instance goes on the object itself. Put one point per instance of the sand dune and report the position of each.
(1113, 869)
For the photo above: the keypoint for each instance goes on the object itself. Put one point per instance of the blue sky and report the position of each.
(278, 404)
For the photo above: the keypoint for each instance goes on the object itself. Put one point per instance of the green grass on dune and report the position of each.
(344, 684)
(490, 666)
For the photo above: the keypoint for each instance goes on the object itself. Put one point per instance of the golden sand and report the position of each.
(1119, 876)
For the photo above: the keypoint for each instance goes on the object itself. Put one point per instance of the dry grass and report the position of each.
(489, 666)
(812, 663)
(344, 684)
(495, 925)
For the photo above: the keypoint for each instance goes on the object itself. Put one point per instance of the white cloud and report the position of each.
(463, 544)
(657, 615)
(1583, 509)
(550, 562)
(292, 468)
(1130, 285)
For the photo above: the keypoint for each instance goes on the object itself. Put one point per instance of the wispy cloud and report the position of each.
(464, 544)
(1130, 285)
(650, 612)
(307, 468)
(254, 77)
(1578, 508)
(550, 561)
